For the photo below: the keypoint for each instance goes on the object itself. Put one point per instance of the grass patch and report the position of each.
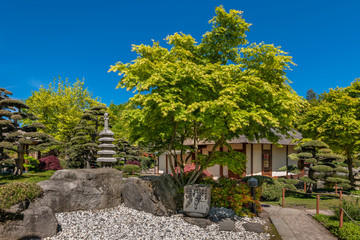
(26, 177)
(298, 200)
(349, 231)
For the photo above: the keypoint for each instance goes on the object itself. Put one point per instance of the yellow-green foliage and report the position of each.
(59, 107)
(215, 90)
(15, 192)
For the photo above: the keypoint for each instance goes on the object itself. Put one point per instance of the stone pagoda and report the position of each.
(106, 152)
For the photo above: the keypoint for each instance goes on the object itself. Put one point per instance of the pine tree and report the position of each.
(82, 148)
(17, 137)
(320, 164)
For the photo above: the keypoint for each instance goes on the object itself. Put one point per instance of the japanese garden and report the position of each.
(214, 143)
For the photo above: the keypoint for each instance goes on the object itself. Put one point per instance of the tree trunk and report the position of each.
(350, 164)
(19, 162)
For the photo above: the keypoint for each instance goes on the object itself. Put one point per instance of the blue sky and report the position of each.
(42, 39)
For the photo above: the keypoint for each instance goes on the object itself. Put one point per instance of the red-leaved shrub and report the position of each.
(50, 163)
(133, 163)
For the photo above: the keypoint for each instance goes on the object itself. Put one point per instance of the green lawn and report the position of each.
(293, 200)
(26, 177)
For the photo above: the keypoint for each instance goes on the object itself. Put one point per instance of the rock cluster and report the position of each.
(82, 189)
(152, 194)
(126, 223)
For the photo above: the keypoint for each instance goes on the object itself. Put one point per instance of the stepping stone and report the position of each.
(200, 222)
(227, 225)
(254, 227)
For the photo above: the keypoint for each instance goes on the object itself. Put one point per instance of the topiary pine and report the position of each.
(320, 163)
(82, 148)
(17, 137)
(129, 152)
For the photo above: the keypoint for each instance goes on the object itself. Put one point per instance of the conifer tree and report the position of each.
(82, 148)
(17, 137)
(320, 164)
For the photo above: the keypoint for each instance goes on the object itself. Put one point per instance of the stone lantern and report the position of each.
(106, 152)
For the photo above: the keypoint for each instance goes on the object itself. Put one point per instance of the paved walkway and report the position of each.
(296, 224)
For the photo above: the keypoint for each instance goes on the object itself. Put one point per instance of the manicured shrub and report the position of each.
(15, 192)
(129, 169)
(50, 163)
(134, 162)
(272, 192)
(322, 168)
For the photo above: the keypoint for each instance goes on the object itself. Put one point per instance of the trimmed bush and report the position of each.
(15, 192)
(272, 192)
(129, 169)
(50, 163)
(119, 167)
(322, 168)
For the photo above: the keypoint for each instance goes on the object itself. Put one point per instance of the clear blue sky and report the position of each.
(43, 39)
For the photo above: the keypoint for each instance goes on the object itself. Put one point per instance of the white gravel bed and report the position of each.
(126, 223)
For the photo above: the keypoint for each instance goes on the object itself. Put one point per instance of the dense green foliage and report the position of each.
(233, 194)
(15, 192)
(130, 169)
(349, 231)
(59, 107)
(335, 119)
(214, 91)
(32, 163)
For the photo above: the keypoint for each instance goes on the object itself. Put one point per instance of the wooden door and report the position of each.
(267, 163)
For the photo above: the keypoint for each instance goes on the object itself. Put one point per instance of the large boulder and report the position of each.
(38, 222)
(153, 194)
(82, 189)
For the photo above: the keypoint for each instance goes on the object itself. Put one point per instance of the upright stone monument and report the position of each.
(106, 153)
(197, 200)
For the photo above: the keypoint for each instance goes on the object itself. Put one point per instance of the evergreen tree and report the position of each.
(17, 137)
(82, 148)
(320, 164)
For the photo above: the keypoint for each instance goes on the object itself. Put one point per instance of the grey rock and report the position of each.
(82, 189)
(38, 222)
(217, 214)
(201, 222)
(254, 227)
(152, 194)
(227, 225)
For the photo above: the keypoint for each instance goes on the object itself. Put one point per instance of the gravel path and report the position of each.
(126, 223)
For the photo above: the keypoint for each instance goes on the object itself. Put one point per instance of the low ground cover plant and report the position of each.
(15, 192)
(349, 231)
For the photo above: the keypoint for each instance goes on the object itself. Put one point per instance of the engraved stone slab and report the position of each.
(197, 200)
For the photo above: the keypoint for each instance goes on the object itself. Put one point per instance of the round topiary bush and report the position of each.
(271, 191)
(130, 169)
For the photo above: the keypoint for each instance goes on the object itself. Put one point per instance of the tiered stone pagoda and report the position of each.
(106, 153)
